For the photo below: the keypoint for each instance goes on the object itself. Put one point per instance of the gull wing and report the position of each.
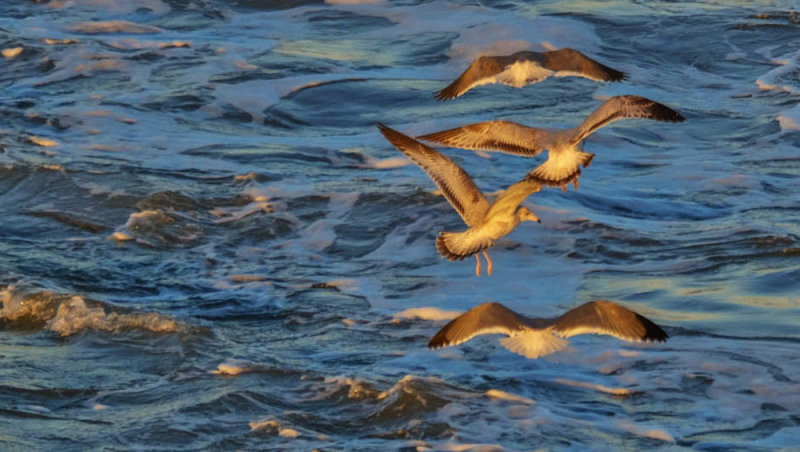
(503, 136)
(510, 199)
(482, 71)
(605, 317)
(569, 62)
(456, 185)
(623, 107)
(488, 318)
(494, 318)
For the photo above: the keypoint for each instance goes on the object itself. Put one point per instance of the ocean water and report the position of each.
(206, 244)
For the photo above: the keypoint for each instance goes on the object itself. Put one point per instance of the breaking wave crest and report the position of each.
(69, 314)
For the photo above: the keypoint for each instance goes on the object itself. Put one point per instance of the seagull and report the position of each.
(486, 222)
(532, 337)
(526, 67)
(563, 158)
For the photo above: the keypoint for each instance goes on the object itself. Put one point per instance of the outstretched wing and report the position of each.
(482, 71)
(569, 62)
(455, 183)
(494, 318)
(605, 317)
(488, 318)
(622, 107)
(503, 136)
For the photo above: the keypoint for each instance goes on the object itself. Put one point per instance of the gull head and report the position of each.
(525, 214)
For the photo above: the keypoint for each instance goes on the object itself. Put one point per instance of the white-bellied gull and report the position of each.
(564, 155)
(532, 337)
(486, 222)
(526, 67)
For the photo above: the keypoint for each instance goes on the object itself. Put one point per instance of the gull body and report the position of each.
(535, 337)
(486, 222)
(526, 67)
(564, 155)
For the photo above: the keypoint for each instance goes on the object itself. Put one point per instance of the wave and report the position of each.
(69, 314)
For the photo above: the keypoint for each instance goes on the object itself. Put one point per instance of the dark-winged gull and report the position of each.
(532, 337)
(486, 222)
(564, 155)
(526, 67)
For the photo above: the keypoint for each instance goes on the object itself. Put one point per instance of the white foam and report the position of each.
(67, 315)
(784, 77)
(647, 432)
(114, 6)
(11, 52)
(507, 396)
(113, 26)
(789, 120)
(429, 313)
(74, 315)
(596, 387)
(232, 368)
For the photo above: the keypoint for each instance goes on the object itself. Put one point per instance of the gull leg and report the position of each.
(488, 262)
(477, 265)
(575, 183)
(564, 188)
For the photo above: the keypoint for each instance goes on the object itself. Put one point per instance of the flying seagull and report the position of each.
(526, 67)
(563, 158)
(486, 222)
(532, 337)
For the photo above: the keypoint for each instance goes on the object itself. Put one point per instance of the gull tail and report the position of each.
(533, 344)
(456, 246)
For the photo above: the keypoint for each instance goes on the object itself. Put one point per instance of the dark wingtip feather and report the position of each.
(652, 332)
(447, 93)
(399, 140)
(613, 75)
(663, 113)
(439, 340)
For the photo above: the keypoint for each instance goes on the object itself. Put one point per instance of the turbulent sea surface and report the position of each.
(205, 242)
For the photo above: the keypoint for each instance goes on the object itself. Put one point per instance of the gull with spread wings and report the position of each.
(533, 337)
(486, 222)
(564, 155)
(526, 67)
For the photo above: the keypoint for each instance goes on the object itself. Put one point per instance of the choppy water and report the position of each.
(212, 250)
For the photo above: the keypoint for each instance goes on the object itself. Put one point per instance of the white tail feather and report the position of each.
(533, 344)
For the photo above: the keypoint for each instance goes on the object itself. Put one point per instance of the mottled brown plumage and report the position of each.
(534, 337)
(526, 67)
(486, 222)
(564, 156)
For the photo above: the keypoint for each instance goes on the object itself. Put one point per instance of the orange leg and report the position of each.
(488, 262)
(575, 183)
(564, 188)
(477, 265)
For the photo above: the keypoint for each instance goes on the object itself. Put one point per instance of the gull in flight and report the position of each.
(523, 68)
(486, 222)
(564, 155)
(532, 337)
